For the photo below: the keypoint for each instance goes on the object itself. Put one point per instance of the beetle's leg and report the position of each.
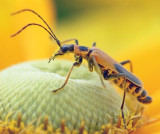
(77, 64)
(122, 105)
(97, 68)
(124, 94)
(74, 64)
(94, 44)
(90, 65)
(127, 61)
(76, 41)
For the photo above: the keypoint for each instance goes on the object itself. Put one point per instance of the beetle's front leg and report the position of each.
(74, 64)
(77, 63)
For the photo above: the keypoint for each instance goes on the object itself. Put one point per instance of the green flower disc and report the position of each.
(26, 88)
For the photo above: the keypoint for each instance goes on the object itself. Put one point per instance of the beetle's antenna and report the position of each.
(30, 10)
(53, 35)
(31, 24)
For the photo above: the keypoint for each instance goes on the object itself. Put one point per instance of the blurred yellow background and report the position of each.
(33, 42)
(123, 29)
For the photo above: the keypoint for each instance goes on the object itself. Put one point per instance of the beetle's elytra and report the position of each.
(106, 67)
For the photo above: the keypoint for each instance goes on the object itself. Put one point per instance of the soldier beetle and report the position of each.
(106, 67)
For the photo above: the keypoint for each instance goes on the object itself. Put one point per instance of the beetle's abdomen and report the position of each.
(135, 90)
(144, 98)
(130, 87)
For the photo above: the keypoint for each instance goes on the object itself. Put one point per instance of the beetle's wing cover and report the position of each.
(129, 75)
(104, 60)
(109, 63)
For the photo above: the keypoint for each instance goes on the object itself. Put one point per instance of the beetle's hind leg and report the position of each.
(115, 76)
(127, 61)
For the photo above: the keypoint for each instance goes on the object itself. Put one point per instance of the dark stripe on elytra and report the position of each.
(128, 74)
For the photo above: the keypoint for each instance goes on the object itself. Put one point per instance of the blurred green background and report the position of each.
(115, 25)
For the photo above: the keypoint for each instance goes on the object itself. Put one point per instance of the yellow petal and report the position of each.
(152, 112)
(149, 129)
(153, 109)
(32, 43)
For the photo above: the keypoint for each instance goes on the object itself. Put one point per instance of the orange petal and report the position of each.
(145, 64)
(153, 109)
(149, 129)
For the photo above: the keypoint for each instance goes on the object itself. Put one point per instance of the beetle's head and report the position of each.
(63, 50)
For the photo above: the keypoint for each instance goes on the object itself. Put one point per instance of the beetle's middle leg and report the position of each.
(77, 63)
(127, 61)
(97, 68)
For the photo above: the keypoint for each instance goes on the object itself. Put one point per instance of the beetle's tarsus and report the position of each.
(124, 121)
(54, 91)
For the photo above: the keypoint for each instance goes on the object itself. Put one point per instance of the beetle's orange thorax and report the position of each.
(81, 51)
